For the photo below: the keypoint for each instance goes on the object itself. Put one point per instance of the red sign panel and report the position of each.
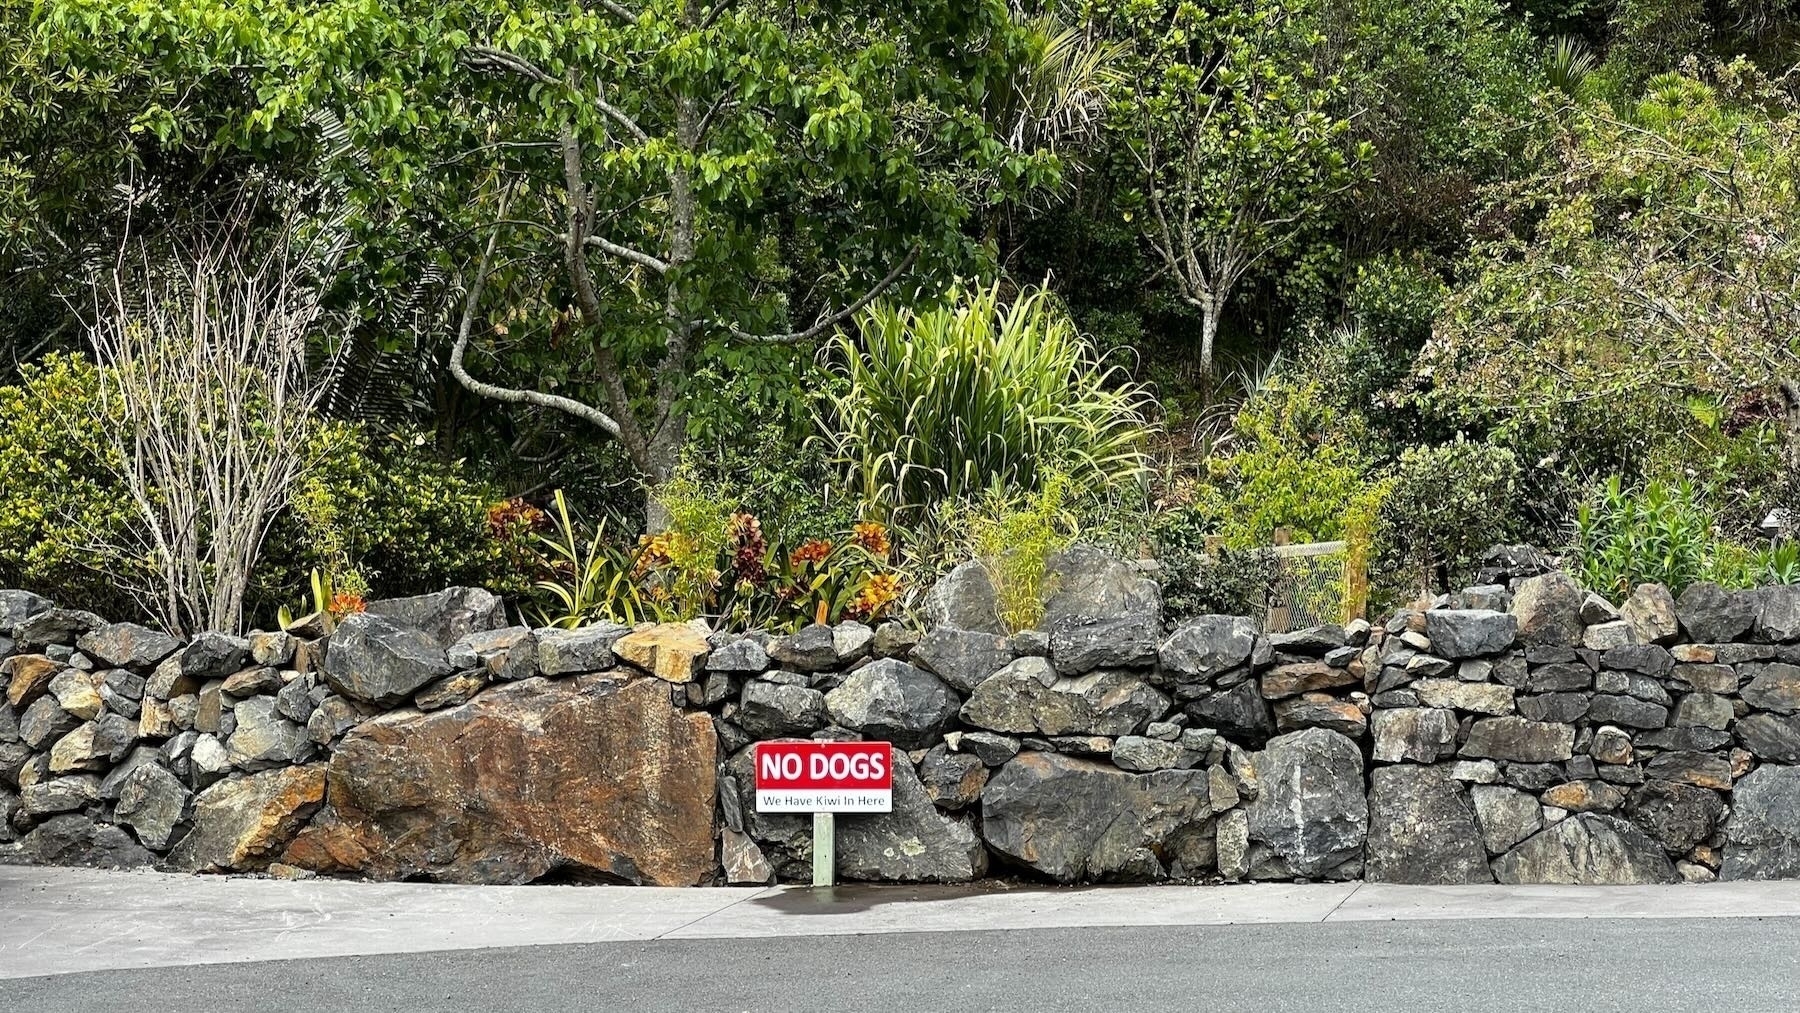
(837, 777)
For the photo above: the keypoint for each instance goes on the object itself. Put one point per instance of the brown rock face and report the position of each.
(31, 675)
(243, 824)
(528, 779)
(676, 652)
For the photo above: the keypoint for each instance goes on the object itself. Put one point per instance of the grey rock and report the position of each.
(1239, 713)
(127, 645)
(1310, 810)
(1469, 633)
(1650, 612)
(1506, 816)
(572, 652)
(1627, 711)
(54, 626)
(1762, 837)
(77, 692)
(894, 640)
(1596, 610)
(743, 861)
(1419, 734)
(295, 701)
(1076, 820)
(1422, 829)
(1088, 581)
(963, 658)
(743, 654)
(208, 760)
(1476, 697)
(1320, 710)
(1205, 646)
(1773, 686)
(214, 656)
(264, 739)
(444, 616)
(18, 606)
(1016, 701)
(965, 598)
(153, 803)
(1607, 636)
(1676, 816)
(1706, 678)
(914, 843)
(1080, 644)
(450, 691)
(1548, 608)
(44, 722)
(1561, 677)
(508, 653)
(771, 711)
(812, 649)
(254, 681)
(1587, 849)
(243, 824)
(1707, 710)
(75, 840)
(1693, 738)
(59, 794)
(894, 701)
(1566, 708)
(1646, 659)
(1771, 737)
(1705, 770)
(371, 658)
(1777, 614)
(334, 716)
(952, 780)
(115, 778)
(989, 748)
(1316, 641)
(1512, 738)
(1712, 615)
(1140, 754)
(273, 650)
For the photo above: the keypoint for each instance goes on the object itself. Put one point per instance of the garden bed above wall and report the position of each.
(1522, 731)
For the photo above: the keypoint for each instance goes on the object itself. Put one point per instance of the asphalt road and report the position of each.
(1471, 966)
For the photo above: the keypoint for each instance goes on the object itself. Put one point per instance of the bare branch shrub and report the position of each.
(205, 378)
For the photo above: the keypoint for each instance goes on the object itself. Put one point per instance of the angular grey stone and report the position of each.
(1469, 633)
(1712, 615)
(1422, 829)
(812, 649)
(78, 693)
(1607, 636)
(965, 598)
(1506, 816)
(1627, 711)
(989, 748)
(1706, 678)
(1140, 754)
(1777, 613)
(1476, 697)
(1080, 644)
(1419, 734)
(1562, 677)
(370, 658)
(1762, 836)
(1694, 738)
(1310, 809)
(743, 861)
(252, 681)
(59, 794)
(18, 606)
(1705, 770)
(1707, 710)
(893, 701)
(294, 701)
(772, 711)
(127, 645)
(893, 640)
(264, 739)
(1088, 581)
(1773, 686)
(1076, 820)
(274, 650)
(44, 722)
(1205, 646)
(54, 626)
(1320, 710)
(914, 843)
(1512, 738)
(1239, 713)
(1548, 608)
(963, 658)
(153, 803)
(1109, 703)
(1587, 849)
(1646, 659)
(1566, 708)
(214, 656)
(584, 649)
(208, 760)
(1771, 737)
(1596, 610)
(1314, 640)
(1676, 816)
(444, 616)
(75, 840)
(742, 654)
(952, 780)
(1650, 612)
(493, 652)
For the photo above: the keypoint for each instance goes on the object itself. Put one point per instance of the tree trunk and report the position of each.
(1209, 331)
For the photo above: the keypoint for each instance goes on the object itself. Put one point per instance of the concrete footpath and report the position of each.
(66, 921)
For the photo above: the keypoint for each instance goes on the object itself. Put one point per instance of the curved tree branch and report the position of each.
(837, 318)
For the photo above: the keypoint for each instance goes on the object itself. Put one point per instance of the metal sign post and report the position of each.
(824, 849)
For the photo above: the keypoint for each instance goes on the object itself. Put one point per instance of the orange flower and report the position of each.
(512, 515)
(344, 603)
(813, 550)
(872, 535)
(880, 592)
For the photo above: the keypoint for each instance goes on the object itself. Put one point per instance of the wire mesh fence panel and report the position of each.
(1310, 587)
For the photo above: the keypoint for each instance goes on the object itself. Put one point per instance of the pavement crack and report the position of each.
(686, 925)
(1346, 899)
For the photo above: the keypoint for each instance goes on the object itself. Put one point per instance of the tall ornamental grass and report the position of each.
(948, 402)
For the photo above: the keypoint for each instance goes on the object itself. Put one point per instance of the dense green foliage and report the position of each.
(1420, 276)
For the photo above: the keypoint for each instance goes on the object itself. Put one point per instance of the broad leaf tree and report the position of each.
(626, 191)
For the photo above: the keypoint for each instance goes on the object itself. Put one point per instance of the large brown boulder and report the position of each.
(242, 825)
(597, 780)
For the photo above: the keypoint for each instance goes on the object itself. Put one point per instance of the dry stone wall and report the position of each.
(1523, 731)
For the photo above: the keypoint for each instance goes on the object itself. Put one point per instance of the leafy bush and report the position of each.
(1658, 533)
(1205, 578)
(1014, 540)
(940, 403)
(1447, 506)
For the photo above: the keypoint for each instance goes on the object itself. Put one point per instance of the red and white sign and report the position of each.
(827, 777)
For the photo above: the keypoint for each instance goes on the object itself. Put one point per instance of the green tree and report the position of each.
(1233, 132)
(624, 192)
